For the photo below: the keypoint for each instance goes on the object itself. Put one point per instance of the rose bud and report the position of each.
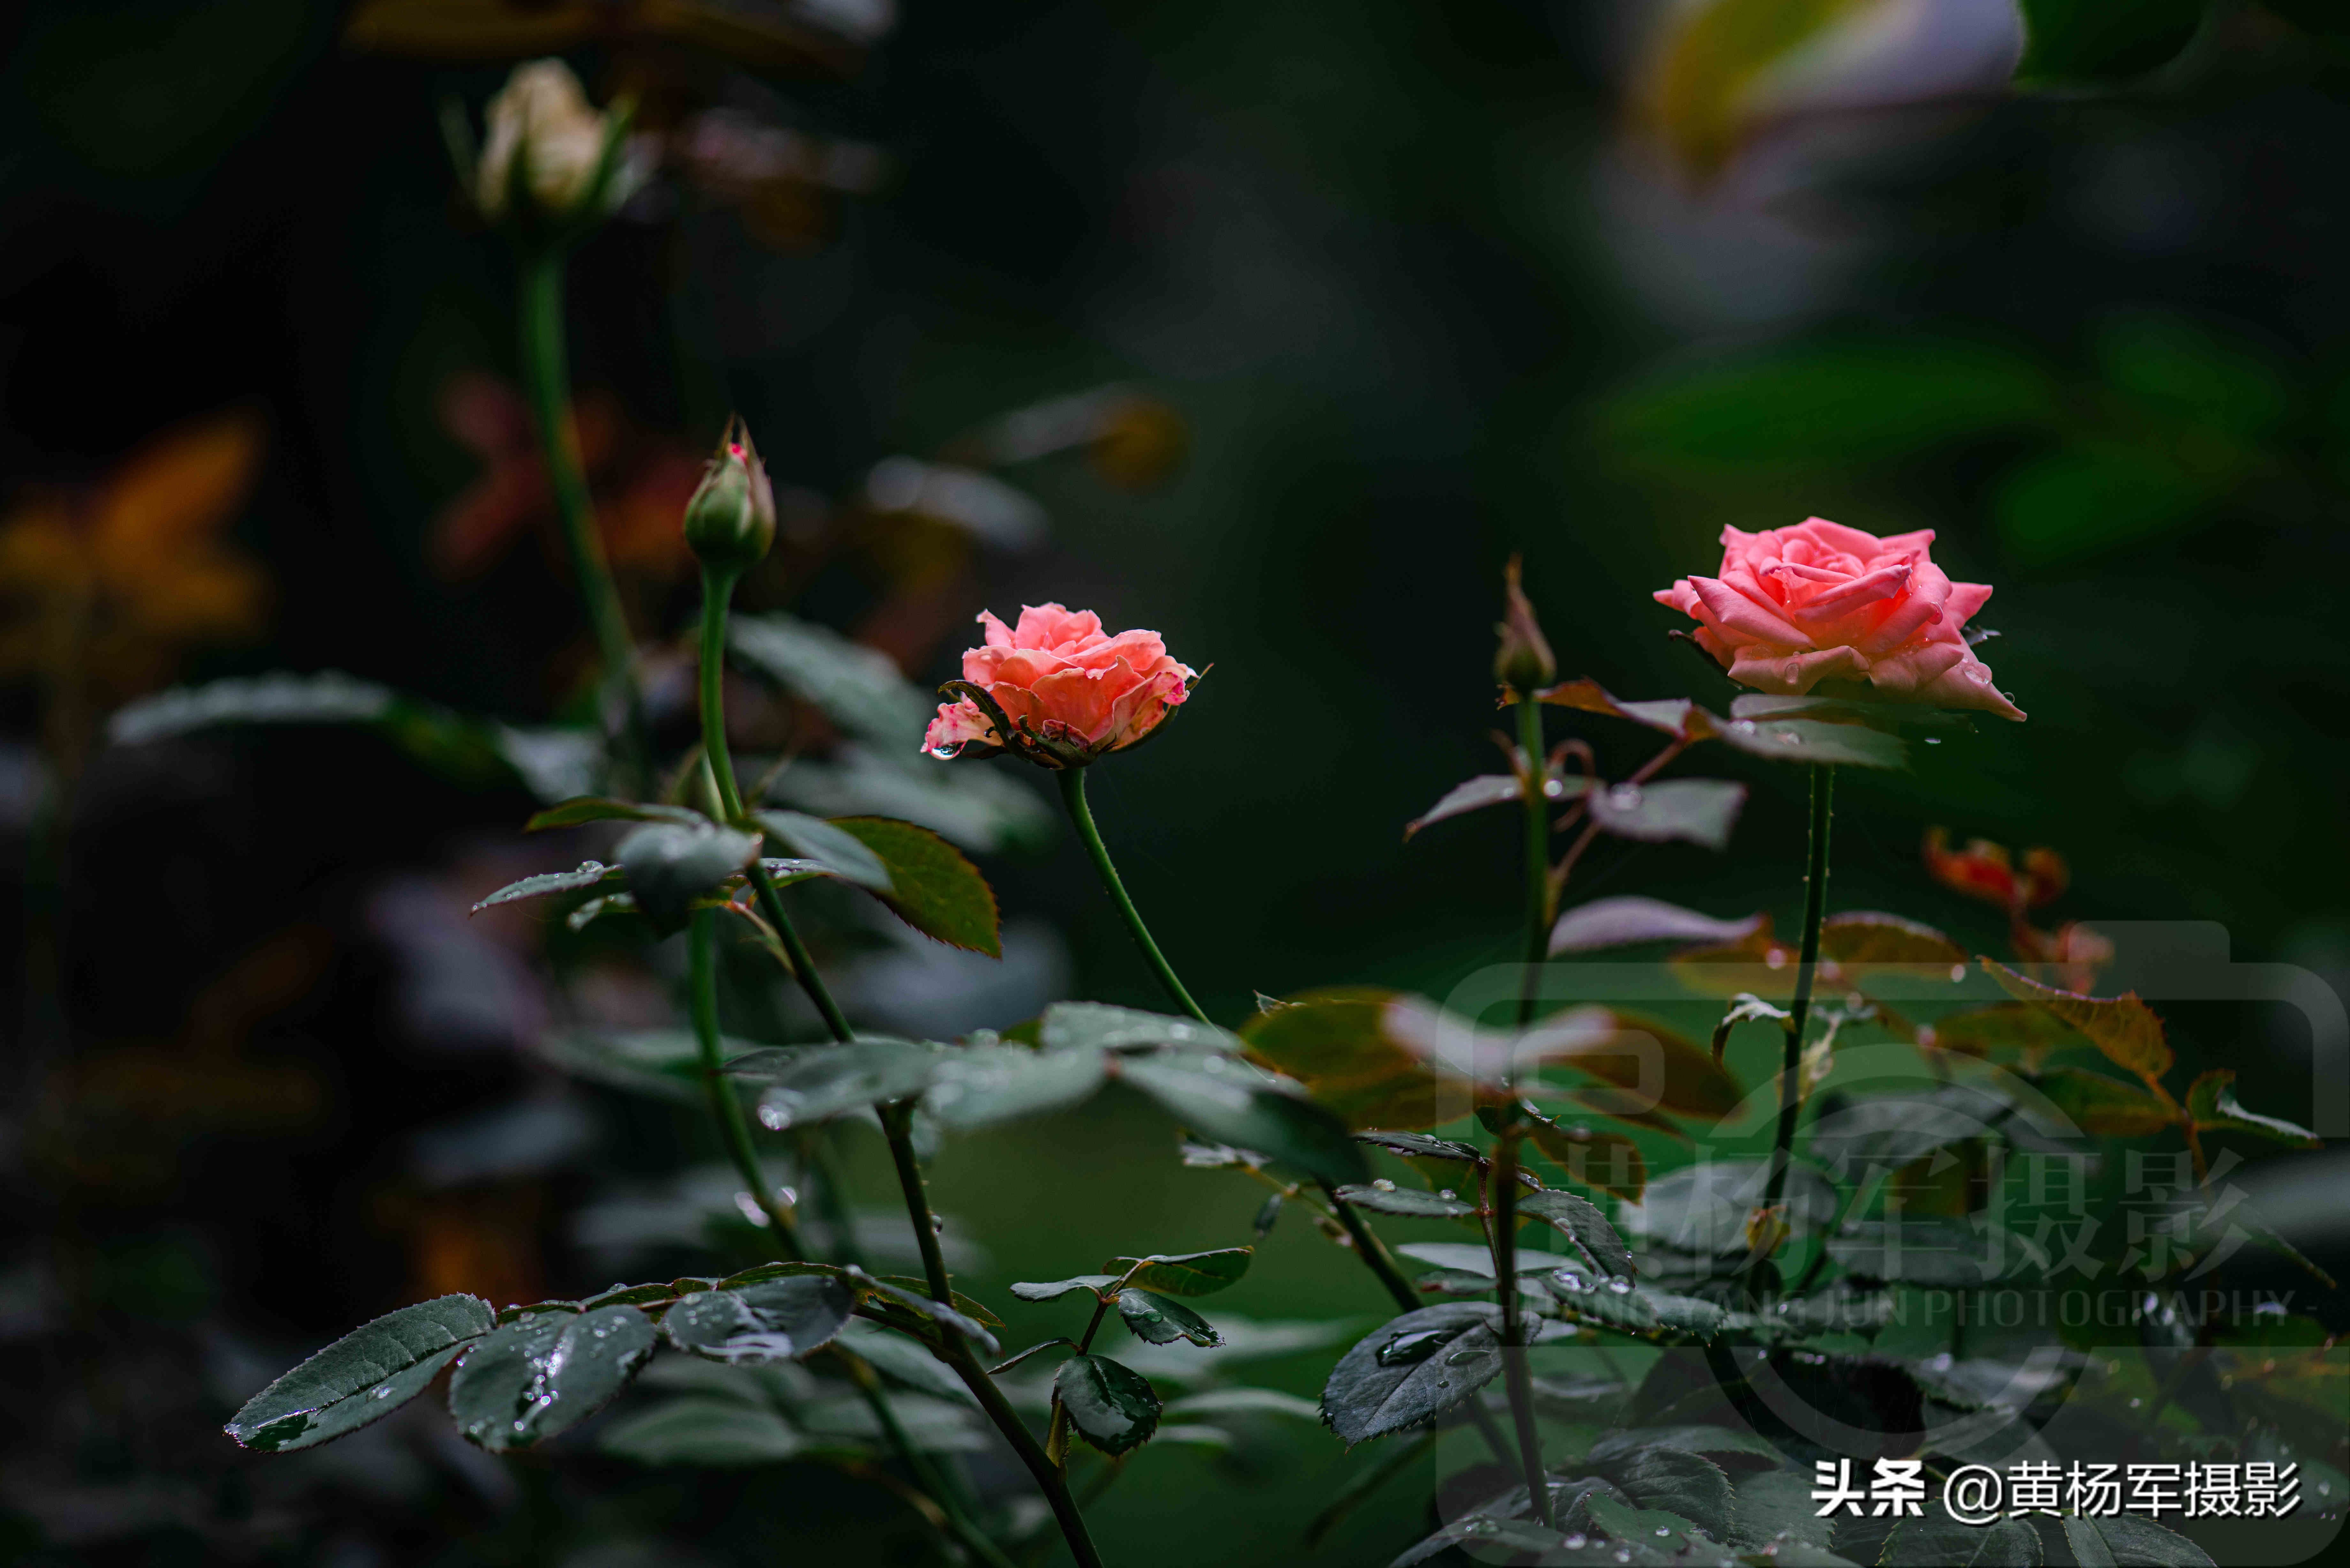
(731, 522)
(1524, 660)
(1820, 602)
(550, 155)
(1058, 691)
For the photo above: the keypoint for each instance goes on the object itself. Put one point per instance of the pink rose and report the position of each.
(1067, 691)
(1794, 607)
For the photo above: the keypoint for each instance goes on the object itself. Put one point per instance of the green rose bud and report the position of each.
(731, 522)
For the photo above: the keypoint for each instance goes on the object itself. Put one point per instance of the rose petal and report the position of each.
(1869, 588)
(1725, 609)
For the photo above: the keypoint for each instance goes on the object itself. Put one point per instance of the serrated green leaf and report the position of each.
(984, 1085)
(1054, 1290)
(1186, 1273)
(1215, 1097)
(1161, 1320)
(1777, 1505)
(546, 1374)
(366, 1374)
(860, 689)
(1110, 1405)
(840, 852)
(546, 884)
(776, 1319)
(1408, 1202)
(922, 1306)
(2214, 1108)
(670, 865)
(1420, 1145)
(1411, 1368)
(1635, 1309)
(629, 1295)
(2102, 1105)
(1669, 1534)
(1582, 1223)
(2006, 1029)
(811, 1083)
(932, 888)
(1937, 1541)
(2137, 1542)
(2123, 1027)
(1678, 1480)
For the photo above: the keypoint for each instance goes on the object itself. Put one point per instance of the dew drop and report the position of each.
(1461, 1358)
(1957, 973)
(1933, 740)
(1576, 1542)
(1569, 1279)
(1384, 1185)
(750, 1208)
(1662, 1530)
(947, 754)
(1448, 1194)
(1775, 958)
(1620, 1287)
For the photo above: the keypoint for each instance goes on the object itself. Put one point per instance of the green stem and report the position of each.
(926, 1475)
(1516, 1376)
(1073, 794)
(1537, 812)
(734, 1126)
(547, 381)
(1815, 898)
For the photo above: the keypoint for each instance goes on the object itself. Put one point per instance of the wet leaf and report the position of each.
(1053, 1291)
(1676, 716)
(2138, 1543)
(2123, 1027)
(979, 809)
(1411, 1368)
(366, 1374)
(670, 865)
(1778, 1505)
(1339, 1046)
(1636, 1052)
(2106, 1107)
(835, 849)
(1680, 1481)
(665, 1063)
(1622, 921)
(934, 889)
(1476, 1258)
(1491, 789)
(897, 1358)
(1695, 811)
(1635, 1309)
(546, 1374)
(1161, 1320)
(2213, 1107)
(1937, 1541)
(1874, 944)
(810, 1084)
(1582, 1223)
(1721, 1441)
(1703, 1208)
(779, 1320)
(1814, 740)
(921, 1305)
(1186, 1273)
(1884, 1131)
(1673, 1539)
(1408, 1202)
(1216, 1099)
(1111, 1405)
(1606, 1161)
(1415, 1146)
(546, 884)
(984, 1085)
(1071, 1025)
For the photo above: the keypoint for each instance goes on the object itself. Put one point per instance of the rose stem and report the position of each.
(1073, 794)
(725, 1105)
(1366, 1245)
(1815, 898)
(546, 379)
(717, 590)
(1516, 1376)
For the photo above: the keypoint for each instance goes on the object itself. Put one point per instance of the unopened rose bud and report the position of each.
(547, 153)
(731, 521)
(1524, 660)
(1765, 1229)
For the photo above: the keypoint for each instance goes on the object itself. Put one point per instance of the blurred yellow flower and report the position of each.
(103, 587)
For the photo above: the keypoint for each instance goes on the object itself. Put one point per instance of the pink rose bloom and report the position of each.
(1069, 692)
(1794, 607)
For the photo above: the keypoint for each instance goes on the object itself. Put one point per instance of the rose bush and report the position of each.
(1820, 602)
(1058, 690)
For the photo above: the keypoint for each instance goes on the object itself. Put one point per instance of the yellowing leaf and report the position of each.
(2123, 1027)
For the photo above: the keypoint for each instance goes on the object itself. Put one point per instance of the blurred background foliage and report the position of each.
(1354, 300)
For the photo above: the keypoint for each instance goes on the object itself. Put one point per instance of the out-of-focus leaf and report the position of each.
(779, 1320)
(1622, 921)
(1486, 789)
(1676, 716)
(860, 689)
(1161, 1320)
(703, 1432)
(1636, 1052)
(599, 808)
(1407, 1202)
(978, 503)
(982, 1086)
(660, 1062)
(808, 1084)
(899, 1358)
(1111, 1405)
(980, 809)
(545, 1375)
(933, 888)
(1885, 1132)
(2106, 1107)
(1933, 1253)
(1186, 1273)
(1339, 1046)
(840, 852)
(2004, 1029)
(2123, 1027)
(1883, 942)
(1703, 1209)
(1053, 1291)
(1696, 811)
(669, 866)
(1598, 1158)
(366, 1374)
(1635, 1309)
(1215, 1099)
(1585, 1226)
(1366, 1484)
(1813, 740)
(1826, 405)
(1106, 1028)
(2213, 1108)
(2103, 40)
(546, 884)
(1412, 1368)
(1470, 1258)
